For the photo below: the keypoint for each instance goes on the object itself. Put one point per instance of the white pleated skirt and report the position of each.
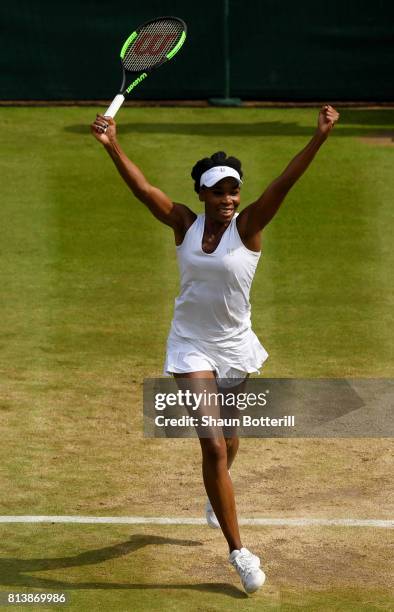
(234, 358)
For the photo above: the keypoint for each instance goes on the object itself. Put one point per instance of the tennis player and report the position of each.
(211, 336)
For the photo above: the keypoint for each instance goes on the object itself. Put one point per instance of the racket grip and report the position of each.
(114, 106)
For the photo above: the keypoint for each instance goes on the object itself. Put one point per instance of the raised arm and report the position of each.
(256, 216)
(177, 216)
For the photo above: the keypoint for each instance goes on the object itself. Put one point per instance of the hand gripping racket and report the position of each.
(148, 47)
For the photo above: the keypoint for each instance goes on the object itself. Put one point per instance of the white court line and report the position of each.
(153, 520)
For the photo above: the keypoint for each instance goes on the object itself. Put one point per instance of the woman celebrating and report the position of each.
(211, 336)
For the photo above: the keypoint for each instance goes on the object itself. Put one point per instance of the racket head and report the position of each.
(153, 43)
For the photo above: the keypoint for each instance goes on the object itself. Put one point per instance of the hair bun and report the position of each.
(219, 158)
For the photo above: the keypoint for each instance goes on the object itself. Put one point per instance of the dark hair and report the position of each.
(217, 159)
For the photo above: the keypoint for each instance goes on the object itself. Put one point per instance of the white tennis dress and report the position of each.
(211, 328)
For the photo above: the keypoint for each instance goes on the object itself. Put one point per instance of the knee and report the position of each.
(214, 450)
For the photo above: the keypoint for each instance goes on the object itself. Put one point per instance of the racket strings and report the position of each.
(153, 43)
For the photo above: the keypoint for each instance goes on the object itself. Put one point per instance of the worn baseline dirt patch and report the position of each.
(385, 139)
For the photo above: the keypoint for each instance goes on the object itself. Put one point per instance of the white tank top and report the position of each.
(213, 304)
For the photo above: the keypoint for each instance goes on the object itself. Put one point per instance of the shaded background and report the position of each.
(278, 50)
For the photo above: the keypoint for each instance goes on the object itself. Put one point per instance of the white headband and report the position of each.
(216, 174)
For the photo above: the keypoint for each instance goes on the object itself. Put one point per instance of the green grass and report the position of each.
(129, 568)
(90, 277)
(88, 283)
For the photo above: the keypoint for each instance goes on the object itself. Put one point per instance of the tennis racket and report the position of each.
(148, 47)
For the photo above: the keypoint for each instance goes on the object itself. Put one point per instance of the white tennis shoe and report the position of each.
(248, 568)
(211, 516)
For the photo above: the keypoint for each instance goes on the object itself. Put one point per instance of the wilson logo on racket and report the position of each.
(136, 82)
(153, 44)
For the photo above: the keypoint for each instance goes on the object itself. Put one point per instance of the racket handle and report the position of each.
(114, 106)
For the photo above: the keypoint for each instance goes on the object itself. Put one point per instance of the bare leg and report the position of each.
(219, 488)
(232, 445)
(217, 481)
(232, 442)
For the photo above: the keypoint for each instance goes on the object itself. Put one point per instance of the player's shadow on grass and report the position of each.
(268, 128)
(232, 130)
(352, 123)
(16, 572)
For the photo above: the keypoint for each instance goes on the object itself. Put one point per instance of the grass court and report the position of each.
(88, 283)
